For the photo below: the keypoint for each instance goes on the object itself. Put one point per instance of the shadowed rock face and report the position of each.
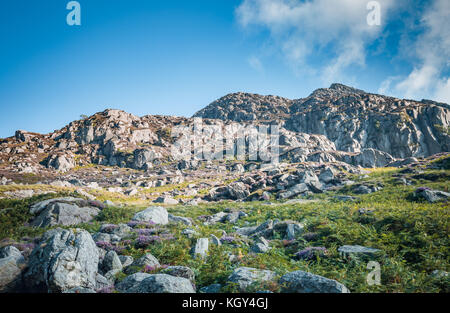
(354, 120)
(351, 118)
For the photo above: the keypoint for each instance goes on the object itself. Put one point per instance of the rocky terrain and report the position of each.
(104, 205)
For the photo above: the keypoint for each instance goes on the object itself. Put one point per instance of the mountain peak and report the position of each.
(345, 88)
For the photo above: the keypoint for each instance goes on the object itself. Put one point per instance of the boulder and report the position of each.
(180, 219)
(371, 158)
(40, 206)
(304, 282)
(111, 262)
(357, 251)
(12, 264)
(237, 191)
(294, 191)
(180, 271)
(146, 260)
(62, 163)
(215, 240)
(245, 277)
(63, 260)
(432, 195)
(64, 214)
(163, 283)
(166, 200)
(261, 245)
(157, 215)
(131, 283)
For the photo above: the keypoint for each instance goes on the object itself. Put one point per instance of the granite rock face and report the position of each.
(64, 259)
(351, 118)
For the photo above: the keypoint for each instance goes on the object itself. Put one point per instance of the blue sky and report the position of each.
(175, 57)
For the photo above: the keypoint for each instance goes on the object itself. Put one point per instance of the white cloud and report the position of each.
(256, 64)
(304, 29)
(432, 49)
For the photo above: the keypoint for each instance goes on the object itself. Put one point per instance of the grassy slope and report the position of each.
(413, 235)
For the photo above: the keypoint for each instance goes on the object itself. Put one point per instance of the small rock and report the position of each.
(357, 251)
(180, 219)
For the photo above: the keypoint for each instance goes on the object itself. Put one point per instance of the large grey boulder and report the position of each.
(157, 215)
(245, 277)
(146, 260)
(180, 271)
(156, 283)
(163, 283)
(131, 283)
(304, 282)
(12, 264)
(238, 190)
(10, 251)
(294, 191)
(432, 195)
(40, 206)
(111, 262)
(166, 200)
(63, 260)
(64, 214)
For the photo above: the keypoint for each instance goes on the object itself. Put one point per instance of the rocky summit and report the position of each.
(355, 198)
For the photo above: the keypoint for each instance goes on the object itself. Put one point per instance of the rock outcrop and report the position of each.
(64, 259)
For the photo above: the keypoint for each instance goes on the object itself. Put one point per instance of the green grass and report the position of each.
(413, 235)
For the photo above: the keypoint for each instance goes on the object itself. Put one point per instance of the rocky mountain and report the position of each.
(339, 127)
(352, 119)
(241, 107)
